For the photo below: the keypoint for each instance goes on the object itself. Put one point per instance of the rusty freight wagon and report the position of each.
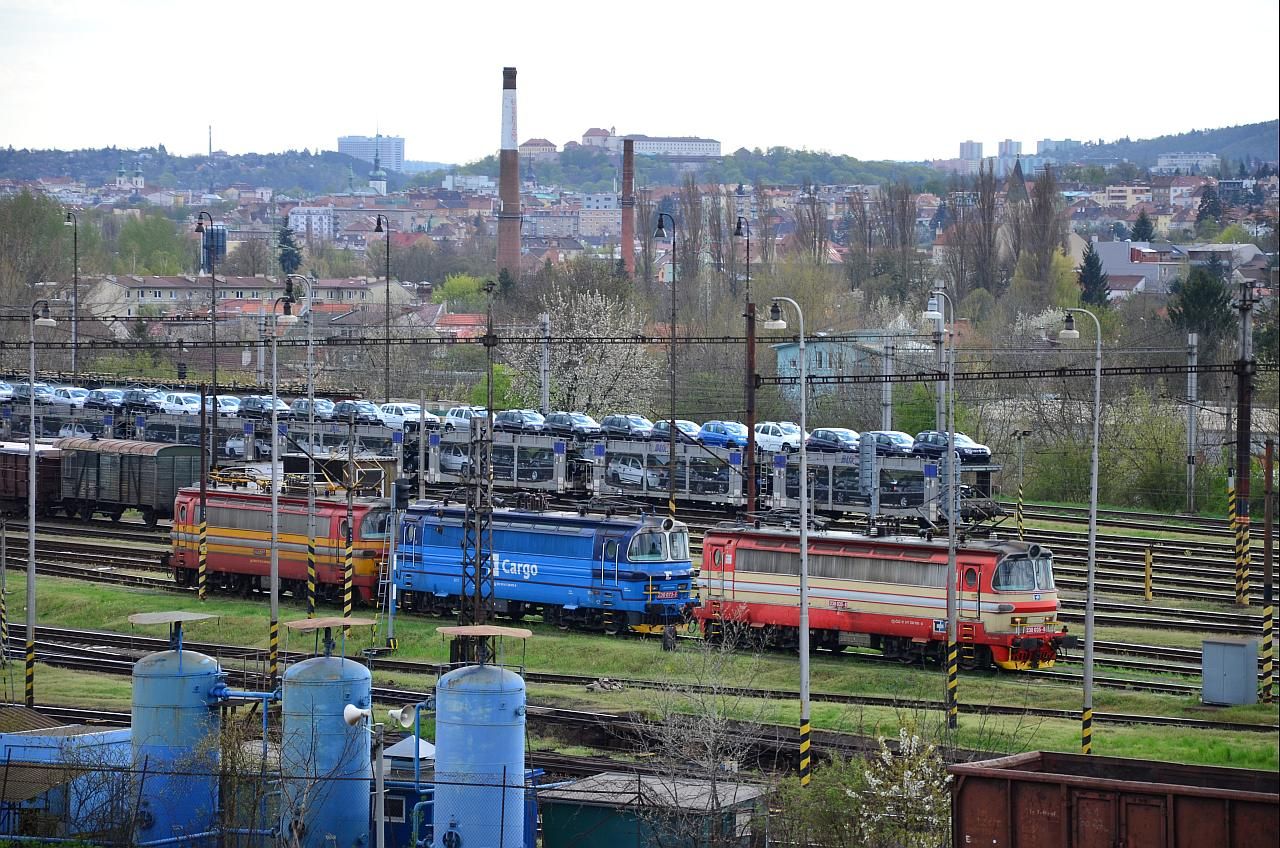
(14, 470)
(112, 475)
(1047, 800)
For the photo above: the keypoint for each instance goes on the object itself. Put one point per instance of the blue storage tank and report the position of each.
(325, 761)
(479, 776)
(175, 743)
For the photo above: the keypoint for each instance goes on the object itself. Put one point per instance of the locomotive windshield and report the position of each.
(679, 544)
(1024, 574)
(376, 524)
(648, 546)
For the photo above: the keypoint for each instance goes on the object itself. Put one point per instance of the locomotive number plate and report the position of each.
(1033, 628)
(663, 596)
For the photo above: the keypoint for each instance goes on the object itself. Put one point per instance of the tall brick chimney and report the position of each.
(629, 206)
(509, 181)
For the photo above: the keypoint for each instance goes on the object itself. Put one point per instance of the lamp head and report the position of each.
(661, 232)
(378, 227)
(932, 312)
(199, 226)
(738, 231)
(1069, 331)
(69, 221)
(775, 321)
(40, 316)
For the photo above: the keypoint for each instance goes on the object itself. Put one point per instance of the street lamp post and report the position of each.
(776, 322)
(311, 442)
(386, 313)
(933, 313)
(74, 223)
(661, 233)
(279, 320)
(1069, 332)
(742, 229)
(213, 342)
(39, 318)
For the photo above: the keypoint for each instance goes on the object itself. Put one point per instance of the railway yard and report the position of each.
(1147, 652)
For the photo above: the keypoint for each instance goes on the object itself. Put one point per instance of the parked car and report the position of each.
(228, 404)
(22, 392)
(6, 391)
(518, 421)
(75, 430)
(143, 401)
(723, 434)
(454, 459)
(893, 443)
(180, 403)
(572, 424)
(235, 447)
(69, 396)
(343, 448)
(626, 470)
(933, 444)
(361, 411)
(626, 426)
(408, 417)
(259, 406)
(686, 431)
(459, 417)
(534, 465)
(107, 400)
(777, 436)
(708, 476)
(833, 439)
(300, 409)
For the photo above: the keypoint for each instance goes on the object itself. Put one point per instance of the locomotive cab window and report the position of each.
(376, 524)
(1014, 575)
(1044, 572)
(971, 578)
(648, 546)
(679, 544)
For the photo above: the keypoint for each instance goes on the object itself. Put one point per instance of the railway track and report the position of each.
(1135, 520)
(109, 652)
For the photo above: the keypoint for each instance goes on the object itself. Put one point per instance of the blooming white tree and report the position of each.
(594, 368)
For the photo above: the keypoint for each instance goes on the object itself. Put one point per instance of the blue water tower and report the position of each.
(480, 731)
(175, 735)
(324, 761)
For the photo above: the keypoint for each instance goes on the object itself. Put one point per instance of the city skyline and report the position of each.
(800, 87)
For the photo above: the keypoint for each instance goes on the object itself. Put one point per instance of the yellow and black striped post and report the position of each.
(1244, 559)
(1268, 570)
(1018, 511)
(1086, 731)
(1231, 522)
(31, 675)
(1147, 562)
(805, 731)
(202, 558)
(273, 651)
(311, 577)
(953, 680)
(1268, 650)
(348, 574)
(4, 628)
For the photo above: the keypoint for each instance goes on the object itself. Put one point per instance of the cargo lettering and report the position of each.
(518, 569)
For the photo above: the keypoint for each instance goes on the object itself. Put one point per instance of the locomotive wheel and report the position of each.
(86, 511)
(612, 627)
(117, 513)
(149, 516)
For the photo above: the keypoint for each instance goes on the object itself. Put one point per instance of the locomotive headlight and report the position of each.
(1050, 619)
(1018, 620)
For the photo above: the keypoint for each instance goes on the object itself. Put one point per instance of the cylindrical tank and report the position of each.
(175, 743)
(325, 761)
(479, 776)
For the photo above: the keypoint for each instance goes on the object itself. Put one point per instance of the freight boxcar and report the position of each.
(112, 475)
(13, 478)
(1074, 801)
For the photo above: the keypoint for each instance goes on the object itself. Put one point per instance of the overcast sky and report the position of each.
(875, 80)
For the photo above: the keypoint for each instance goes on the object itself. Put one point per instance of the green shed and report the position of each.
(621, 810)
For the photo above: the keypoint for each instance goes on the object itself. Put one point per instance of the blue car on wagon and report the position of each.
(597, 572)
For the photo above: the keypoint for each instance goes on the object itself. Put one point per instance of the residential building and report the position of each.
(388, 148)
(1127, 195)
(313, 223)
(1010, 148)
(1186, 163)
(971, 151)
(537, 150)
(1058, 149)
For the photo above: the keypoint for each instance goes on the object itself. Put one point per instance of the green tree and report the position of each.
(290, 253)
(34, 245)
(1210, 205)
(151, 244)
(462, 292)
(1202, 304)
(1093, 280)
(1143, 229)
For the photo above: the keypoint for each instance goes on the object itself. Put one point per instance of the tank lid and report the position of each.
(308, 624)
(485, 630)
(172, 617)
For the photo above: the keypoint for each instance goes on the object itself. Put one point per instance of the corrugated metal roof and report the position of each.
(23, 781)
(619, 789)
(126, 446)
(16, 719)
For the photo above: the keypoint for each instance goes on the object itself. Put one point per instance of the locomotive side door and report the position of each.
(605, 572)
(970, 590)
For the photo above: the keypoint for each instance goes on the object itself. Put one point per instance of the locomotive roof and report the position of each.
(1007, 547)
(556, 516)
(255, 495)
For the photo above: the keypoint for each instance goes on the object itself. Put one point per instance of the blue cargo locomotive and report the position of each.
(598, 572)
